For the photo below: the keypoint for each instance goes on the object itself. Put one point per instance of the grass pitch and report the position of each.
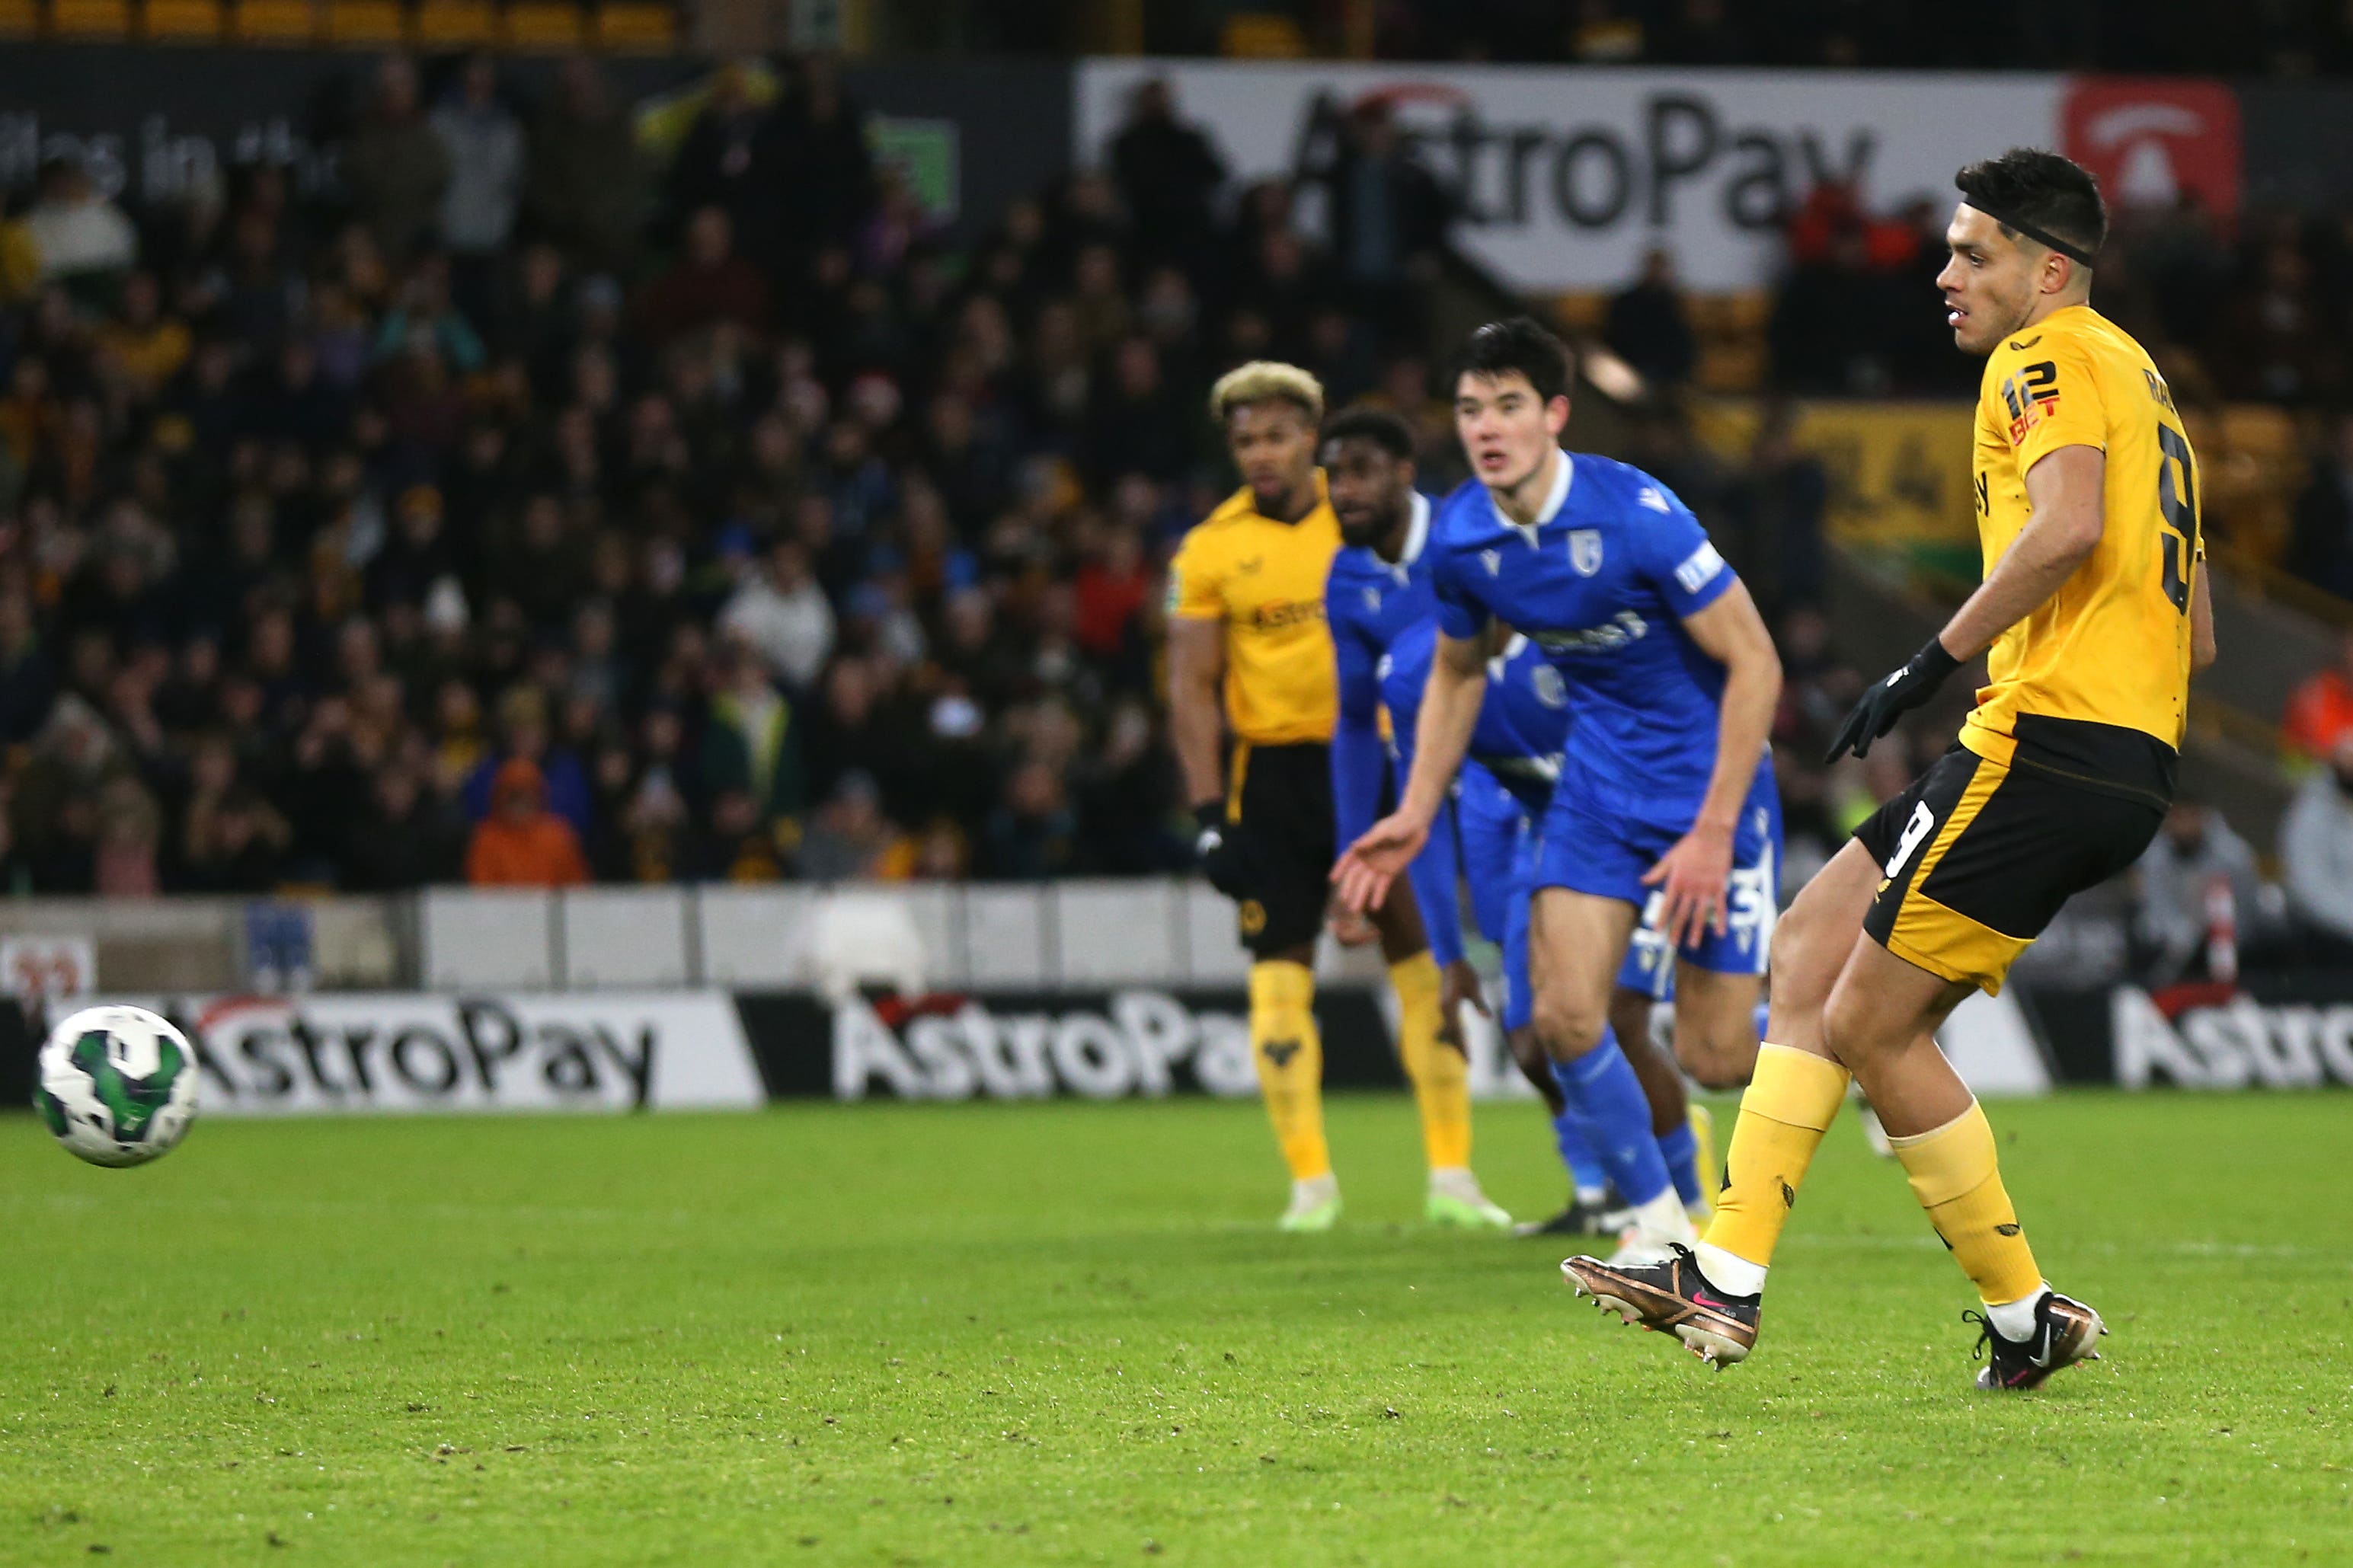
(1066, 1333)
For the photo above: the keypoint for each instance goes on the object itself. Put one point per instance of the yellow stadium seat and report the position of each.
(367, 23)
(1729, 366)
(18, 19)
(182, 21)
(89, 18)
(628, 29)
(1259, 36)
(2263, 430)
(534, 25)
(285, 23)
(1581, 310)
(454, 23)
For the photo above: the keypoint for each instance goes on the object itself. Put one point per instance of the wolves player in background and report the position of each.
(2093, 615)
(1671, 678)
(1248, 650)
(1506, 783)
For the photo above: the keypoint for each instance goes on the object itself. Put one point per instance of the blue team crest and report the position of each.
(1546, 682)
(1585, 550)
(1492, 560)
(1373, 601)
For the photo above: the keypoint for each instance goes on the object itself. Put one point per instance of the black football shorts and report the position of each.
(1279, 817)
(1977, 858)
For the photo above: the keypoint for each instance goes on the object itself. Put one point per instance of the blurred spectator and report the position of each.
(2319, 711)
(851, 840)
(1648, 327)
(484, 145)
(405, 837)
(814, 144)
(1389, 220)
(1032, 833)
(585, 185)
(784, 614)
(1772, 517)
(522, 844)
(81, 238)
(715, 165)
(1168, 174)
(2317, 856)
(2202, 908)
(2320, 550)
(708, 283)
(395, 166)
(752, 747)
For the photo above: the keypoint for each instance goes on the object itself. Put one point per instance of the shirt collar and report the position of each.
(1553, 501)
(1417, 531)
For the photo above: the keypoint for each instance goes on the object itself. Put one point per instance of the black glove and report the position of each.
(1884, 702)
(1220, 861)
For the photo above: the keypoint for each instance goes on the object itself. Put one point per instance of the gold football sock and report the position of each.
(1290, 1057)
(1789, 1106)
(1957, 1179)
(1440, 1078)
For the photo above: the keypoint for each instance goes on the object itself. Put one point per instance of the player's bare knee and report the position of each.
(1852, 1029)
(1724, 1057)
(1569, 1029)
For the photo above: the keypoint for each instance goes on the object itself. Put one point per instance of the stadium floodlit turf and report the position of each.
(1066, 1333)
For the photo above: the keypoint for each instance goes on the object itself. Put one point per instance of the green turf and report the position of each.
(1066, 1333)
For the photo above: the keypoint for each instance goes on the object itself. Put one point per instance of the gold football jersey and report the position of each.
(1264, 579)
(2095, 683)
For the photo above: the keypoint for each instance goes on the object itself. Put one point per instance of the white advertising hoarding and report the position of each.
(1566, 177)
(404, 1051)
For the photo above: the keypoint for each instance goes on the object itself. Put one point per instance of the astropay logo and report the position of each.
(2150, 140)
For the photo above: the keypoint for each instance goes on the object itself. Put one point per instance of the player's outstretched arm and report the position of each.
(1449, 711)
(1695, 873)
(2066, 493)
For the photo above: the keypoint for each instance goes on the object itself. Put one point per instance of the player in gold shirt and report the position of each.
(2092, 617)
(1249, 651)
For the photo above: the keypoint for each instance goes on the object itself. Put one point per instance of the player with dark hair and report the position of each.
(1248, 650)
(1379, 586)
(2092, 617)
(1671, 679)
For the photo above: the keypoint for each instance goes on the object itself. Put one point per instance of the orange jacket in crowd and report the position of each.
(522, 844)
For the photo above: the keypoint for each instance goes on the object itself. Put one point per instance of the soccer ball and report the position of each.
(118, 1085)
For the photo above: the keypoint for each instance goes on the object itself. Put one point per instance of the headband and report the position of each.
(2074, 253)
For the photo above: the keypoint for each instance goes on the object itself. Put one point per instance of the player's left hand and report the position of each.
(1888, 700)
(1459, 983)
(1695, 874)
(1365, 872)
(1349, 928)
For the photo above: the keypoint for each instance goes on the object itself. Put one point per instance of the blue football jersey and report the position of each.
(1523, 719)
(1600, 583)
(1368, 602)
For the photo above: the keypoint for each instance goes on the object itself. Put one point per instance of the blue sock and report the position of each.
(1607, 1100)
(1680, 1148)
(1585, 1172)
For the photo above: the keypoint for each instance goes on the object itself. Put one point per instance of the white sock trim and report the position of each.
(1664, 1219)
(2014, 1321)
(1913, 1139)
(1729, 1273)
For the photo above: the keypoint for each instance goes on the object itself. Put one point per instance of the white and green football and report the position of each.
(118, 1085)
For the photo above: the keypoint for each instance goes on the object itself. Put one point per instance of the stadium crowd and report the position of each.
(539, 511)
